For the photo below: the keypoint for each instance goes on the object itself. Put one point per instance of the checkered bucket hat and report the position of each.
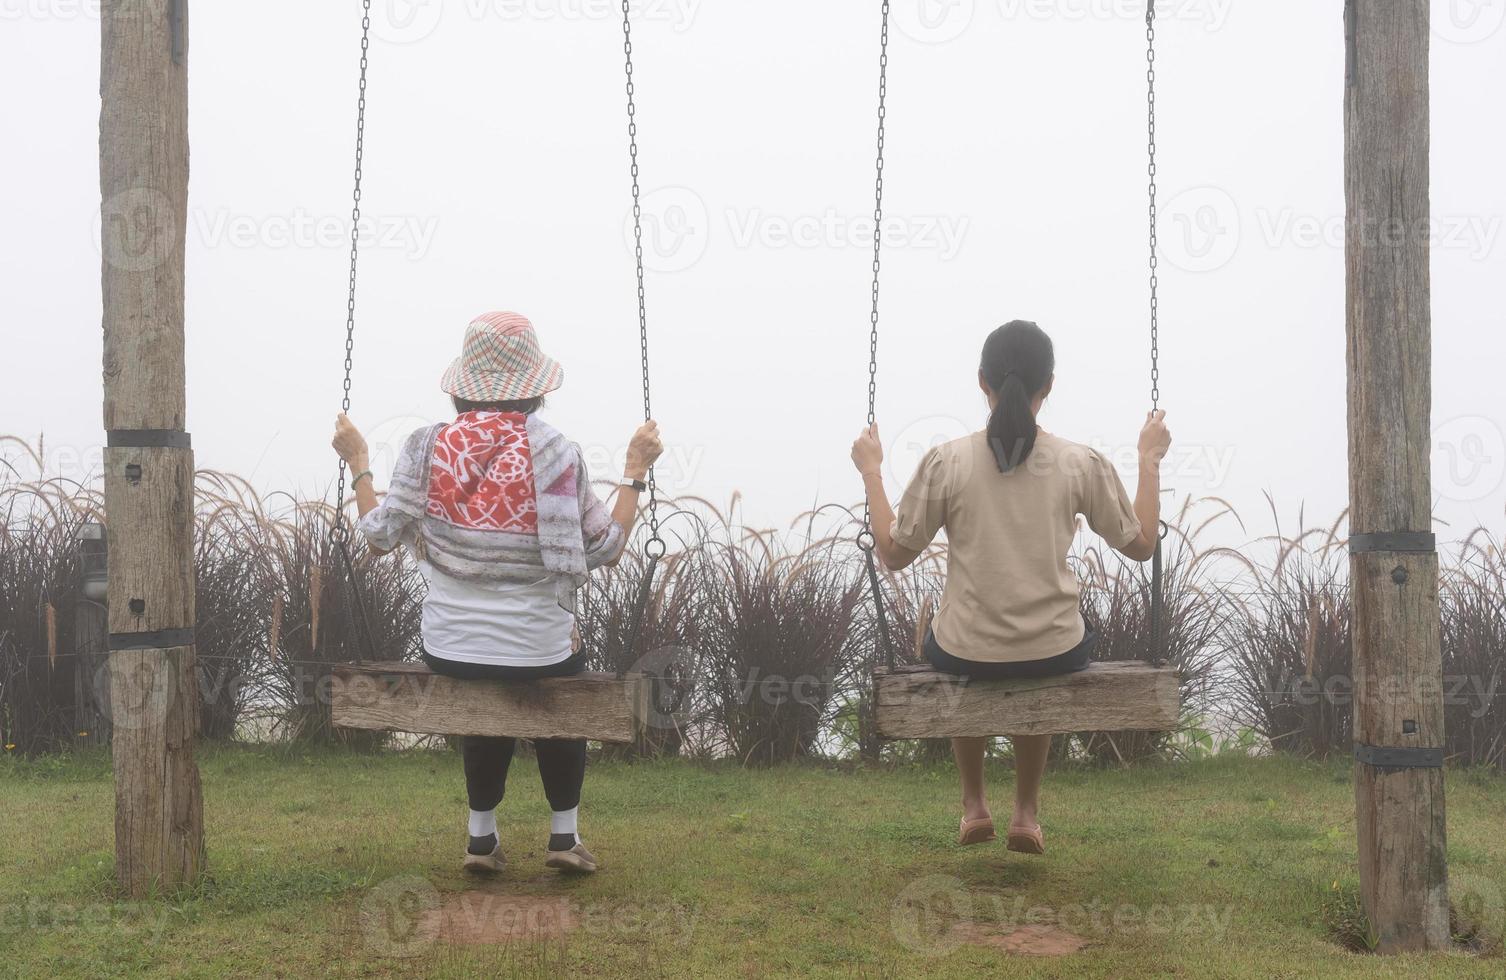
(501, 362)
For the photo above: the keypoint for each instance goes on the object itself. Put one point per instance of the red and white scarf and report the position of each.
(496, 496)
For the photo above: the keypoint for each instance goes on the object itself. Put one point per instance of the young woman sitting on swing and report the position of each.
(1009, 498)
(498, 507)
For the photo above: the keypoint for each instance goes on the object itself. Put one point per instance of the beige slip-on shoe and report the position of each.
(485, 864)
(577, 860)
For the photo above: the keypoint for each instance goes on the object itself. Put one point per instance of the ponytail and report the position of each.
(1011, 427)
(1018, 362)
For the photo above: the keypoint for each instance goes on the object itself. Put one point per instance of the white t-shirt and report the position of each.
(507, 625)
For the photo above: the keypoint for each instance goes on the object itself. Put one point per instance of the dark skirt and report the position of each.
(1070, 662)
(462, 671)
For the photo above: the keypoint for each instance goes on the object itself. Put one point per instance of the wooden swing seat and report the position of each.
(409, 697)
(916, 701)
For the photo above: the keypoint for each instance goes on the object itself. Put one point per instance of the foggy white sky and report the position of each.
(496, 178)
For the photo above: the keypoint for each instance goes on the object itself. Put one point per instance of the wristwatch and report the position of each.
(633, 484)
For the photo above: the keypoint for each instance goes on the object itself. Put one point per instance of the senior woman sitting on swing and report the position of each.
(1009, 498)
(498, 508)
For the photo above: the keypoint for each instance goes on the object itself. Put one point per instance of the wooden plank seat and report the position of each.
(915, 701)
(409, 697)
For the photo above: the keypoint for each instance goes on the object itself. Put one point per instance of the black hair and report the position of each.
(1018, 362)
(526, 406)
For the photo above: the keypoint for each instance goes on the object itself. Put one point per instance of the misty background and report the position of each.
(496, 177)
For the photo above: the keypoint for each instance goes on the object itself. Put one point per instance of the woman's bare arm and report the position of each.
(1155, 440)
(868, 456)
(895, 557)
(351, 446)
(643, 450)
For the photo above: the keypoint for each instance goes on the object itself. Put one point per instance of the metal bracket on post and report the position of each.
(155, 640)
(148, 439)
(1395, 542)
(1394, 757)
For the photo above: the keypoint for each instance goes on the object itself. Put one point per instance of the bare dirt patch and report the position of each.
(488, 916)
(1024, 941)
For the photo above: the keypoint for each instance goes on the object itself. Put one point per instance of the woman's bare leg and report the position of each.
(1030, 755)
(969, 753)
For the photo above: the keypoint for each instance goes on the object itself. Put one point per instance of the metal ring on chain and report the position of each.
(866, 540)
(655, 548)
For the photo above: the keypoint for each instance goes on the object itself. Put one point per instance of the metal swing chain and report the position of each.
(866, 542)
(632, 111)
(1157, 601)
(878, 221)
(339, 532)
(1155, 282)
(654, 548)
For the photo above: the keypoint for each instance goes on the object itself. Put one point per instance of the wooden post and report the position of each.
(143, 168)
(1398, 717)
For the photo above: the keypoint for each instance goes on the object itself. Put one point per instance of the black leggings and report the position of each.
(1070, 662)
(562, 761)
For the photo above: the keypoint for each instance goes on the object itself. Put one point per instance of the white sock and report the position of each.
(483, 823)
(564, 822)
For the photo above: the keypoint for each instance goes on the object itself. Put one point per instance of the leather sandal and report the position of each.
(1026, 841)
(979, 831)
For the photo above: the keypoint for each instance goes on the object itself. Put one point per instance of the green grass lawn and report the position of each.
(321, 863)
